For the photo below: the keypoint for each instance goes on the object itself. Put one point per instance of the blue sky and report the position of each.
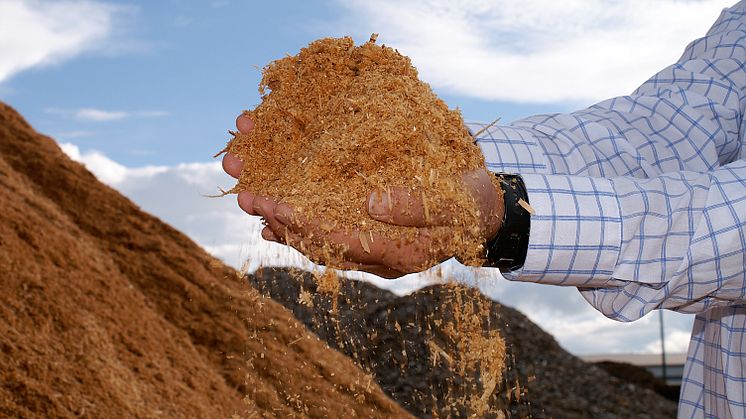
(143, 94)
(187, 68)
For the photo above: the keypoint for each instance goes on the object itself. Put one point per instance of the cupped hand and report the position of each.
(233, 166)
(364, 250)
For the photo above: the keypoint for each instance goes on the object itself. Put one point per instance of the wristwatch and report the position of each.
(507, 251)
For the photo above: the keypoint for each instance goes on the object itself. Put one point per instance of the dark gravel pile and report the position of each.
(391, 337)
(640, 377)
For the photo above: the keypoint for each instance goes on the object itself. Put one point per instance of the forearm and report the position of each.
(635, 136)
(675, 241)
(686, 117)
(635, 199)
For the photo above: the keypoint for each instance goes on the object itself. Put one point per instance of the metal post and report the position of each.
(663, 348)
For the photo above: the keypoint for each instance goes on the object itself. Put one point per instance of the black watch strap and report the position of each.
(507, 251)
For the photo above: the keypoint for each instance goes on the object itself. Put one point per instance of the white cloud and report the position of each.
(536, 51)
(107, 170)
(676, 341)
(582, 330)
(178, 195)
(99, 115)
(182, 21)
(103, 115)
(219, 3)
(36, 33)
(69, 135)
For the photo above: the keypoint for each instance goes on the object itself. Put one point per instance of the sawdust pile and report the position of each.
(337, 122)
(106, 311)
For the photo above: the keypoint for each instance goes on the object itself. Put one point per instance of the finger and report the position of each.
(325, 238)
(246, 202)
(265, 207)
(312, 251)
(402, 254)
(355, 246)
(325, 251)
(268, 235)
(277, 218)
(232, 165)
(402, 206)
(409, 255)
(244, 123)
(379, 270)
(285, 214)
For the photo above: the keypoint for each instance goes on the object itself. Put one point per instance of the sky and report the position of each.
(143, 94)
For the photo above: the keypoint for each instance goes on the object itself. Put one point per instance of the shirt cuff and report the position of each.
(509, 149)
(576, 231)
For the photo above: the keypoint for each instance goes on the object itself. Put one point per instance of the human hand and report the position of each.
(367, 251)
(233, 166)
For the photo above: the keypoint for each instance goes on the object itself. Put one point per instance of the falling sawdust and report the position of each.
(338, 122)
(480, 351)
(458, 335)
(466, 342)
(328, 283)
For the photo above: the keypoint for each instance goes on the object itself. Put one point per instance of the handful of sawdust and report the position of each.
(338, 122)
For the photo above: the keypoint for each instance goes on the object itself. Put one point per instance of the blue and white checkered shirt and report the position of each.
(640, 202)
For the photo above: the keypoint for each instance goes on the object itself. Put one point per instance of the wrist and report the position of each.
(508, 247)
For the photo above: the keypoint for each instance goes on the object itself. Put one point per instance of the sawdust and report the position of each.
(106, 311)
(457, 332)
(475, 350)
(337, 122)
(328, 283)
(479, 350)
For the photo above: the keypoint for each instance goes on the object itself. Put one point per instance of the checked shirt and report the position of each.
(640, 203)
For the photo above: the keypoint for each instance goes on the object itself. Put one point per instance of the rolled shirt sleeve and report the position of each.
(640, 200)
(632, 245)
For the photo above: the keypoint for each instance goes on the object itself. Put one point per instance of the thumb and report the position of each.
(400, 206)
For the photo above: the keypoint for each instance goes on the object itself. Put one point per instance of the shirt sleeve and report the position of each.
(640, 200)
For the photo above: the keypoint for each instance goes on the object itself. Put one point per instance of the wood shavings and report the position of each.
(486, 127)
(525, 205)
(338, 121)
(436, 352)
(364, 242)
(305, 298)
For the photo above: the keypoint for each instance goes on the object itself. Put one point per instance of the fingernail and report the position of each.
(283, 214)
(378, 204)
(268, 235)
(262, 205)
(258, 208)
